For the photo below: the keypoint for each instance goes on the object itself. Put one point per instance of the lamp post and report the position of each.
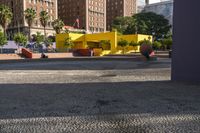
(153, 34)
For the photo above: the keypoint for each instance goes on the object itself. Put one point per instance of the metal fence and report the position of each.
(7, 51)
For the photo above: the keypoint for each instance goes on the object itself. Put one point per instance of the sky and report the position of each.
(154, 1)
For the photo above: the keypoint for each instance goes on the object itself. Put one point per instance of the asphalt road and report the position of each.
(97, 97)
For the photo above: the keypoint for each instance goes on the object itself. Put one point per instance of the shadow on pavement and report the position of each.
(85, 99)
(86, 65)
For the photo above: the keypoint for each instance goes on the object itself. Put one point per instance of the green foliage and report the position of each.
(44, 18)
(58, 25)
(144, 42)
(30, 16)
(38, 38)
(20, 39)
(6, 16)
(143, 23)
(134, 44)
(167, 43)
(156, 45)
(3, 39)
(48, 42)
(105, 44)
(68, 43)
(120, 24)
(138, 26)
(123, 43)
(155, 23)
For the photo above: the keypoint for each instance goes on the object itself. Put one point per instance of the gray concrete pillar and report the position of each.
(186, 45)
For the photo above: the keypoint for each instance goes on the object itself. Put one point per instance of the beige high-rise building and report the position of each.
(19, 23)
(119, 8)
(89, 15)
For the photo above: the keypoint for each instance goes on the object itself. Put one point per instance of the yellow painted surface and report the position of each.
(84, 41)
(135, 38)
(76, 38)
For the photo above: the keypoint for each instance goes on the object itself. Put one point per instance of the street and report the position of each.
(96, 96)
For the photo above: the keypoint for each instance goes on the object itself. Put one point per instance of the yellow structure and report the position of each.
(95, 42)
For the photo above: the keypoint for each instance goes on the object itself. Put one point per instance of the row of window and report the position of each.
(95, 29)
(96, 19)
(43, 2)
(96, 24)
(99, 3)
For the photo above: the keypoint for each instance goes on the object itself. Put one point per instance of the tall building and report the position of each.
(164, 8)
(89, 15)
(119, 8)
(19, 23)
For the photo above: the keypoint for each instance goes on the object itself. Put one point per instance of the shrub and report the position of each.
(105, 44)
(156, 45)
(145, 42)
(123, 43)
(134, 45)
(167, 43)
(20, 39)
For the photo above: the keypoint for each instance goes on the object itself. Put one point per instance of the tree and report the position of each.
(58, 24)
(155, 24)
(20, 39)
(123, 43)
(156, 45)
(30, 16)
(44, 18)
(6, 16)
(134, 45)
(143, 23)
(38, 38)
(121, 23)
(3, 40)
(138, 26)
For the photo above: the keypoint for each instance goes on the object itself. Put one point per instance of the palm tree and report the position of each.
(44, 18)
(6, 16)
(30, 15)
(58, 25)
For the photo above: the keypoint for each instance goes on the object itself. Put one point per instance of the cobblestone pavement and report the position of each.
(96, 97)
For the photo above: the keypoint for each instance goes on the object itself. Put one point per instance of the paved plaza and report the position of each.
(104, 96)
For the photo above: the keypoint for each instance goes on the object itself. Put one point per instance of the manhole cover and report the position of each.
(108, 75)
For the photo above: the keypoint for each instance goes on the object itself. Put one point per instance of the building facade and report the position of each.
(19, 23)
(89, 15)
(119, 8)
(164, 8)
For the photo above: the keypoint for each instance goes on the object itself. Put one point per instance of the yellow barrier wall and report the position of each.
(76, 38)
(112, 36)
(135, 38)
(81, 41)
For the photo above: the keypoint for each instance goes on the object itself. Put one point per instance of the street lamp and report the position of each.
(153, 34)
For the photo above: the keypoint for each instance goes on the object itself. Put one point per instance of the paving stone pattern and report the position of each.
(96, 97)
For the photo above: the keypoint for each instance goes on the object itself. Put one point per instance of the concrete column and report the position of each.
(186, 45)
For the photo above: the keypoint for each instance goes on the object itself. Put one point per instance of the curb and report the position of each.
(79, 59)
